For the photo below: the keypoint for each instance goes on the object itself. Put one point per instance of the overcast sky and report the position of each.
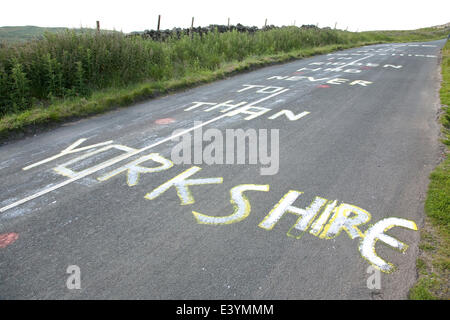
(136, 15)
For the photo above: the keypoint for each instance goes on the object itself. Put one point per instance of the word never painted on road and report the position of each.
(323, 218)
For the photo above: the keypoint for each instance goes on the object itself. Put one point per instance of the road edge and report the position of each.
(433, 261)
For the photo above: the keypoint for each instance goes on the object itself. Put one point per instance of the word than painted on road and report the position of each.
(323, 218)
(250, 110)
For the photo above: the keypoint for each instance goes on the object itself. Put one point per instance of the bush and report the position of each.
(76, 64)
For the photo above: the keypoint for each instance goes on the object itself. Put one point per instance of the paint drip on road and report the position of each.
(7, 238)
(165, 121)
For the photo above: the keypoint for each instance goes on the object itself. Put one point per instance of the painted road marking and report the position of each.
(134, 169)
(240, 203)
(289, 114)
(285, 205)
(326, 225)
(352, 62)
(181, 184)
(69, 150)
(165, 121)
(323, 218)
(106, 164)
(339, 66)
(377, 232)
(384, 54)
(363, 83)
(8, 238)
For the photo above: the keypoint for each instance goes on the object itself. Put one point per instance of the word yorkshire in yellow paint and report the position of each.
(323, 218)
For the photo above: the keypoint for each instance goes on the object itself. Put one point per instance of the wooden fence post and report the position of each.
(98, 26)
(159, 21)
(192, 28)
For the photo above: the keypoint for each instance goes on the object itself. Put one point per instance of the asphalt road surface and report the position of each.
(359, 126)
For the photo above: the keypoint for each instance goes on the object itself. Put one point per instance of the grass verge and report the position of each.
(433, 264)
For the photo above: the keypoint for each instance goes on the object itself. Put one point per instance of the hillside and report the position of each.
(26, 33)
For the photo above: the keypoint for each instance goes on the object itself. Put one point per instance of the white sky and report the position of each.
(137, 15)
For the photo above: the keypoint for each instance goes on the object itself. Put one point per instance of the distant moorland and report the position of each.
(27, 33)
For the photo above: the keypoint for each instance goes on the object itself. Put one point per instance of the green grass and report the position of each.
(70, 75)
(434, 264)
(109, 98)
(422, 290)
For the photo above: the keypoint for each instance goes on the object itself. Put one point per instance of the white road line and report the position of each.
(266, 98)
(351, 63)
(113, 161)
(68, 150)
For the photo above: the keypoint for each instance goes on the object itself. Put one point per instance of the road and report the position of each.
(106, 195)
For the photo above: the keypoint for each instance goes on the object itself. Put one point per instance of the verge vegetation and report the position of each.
(433, 264)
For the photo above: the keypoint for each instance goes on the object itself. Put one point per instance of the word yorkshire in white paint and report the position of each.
(247, 109)
(377, 232)
(323, 218)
